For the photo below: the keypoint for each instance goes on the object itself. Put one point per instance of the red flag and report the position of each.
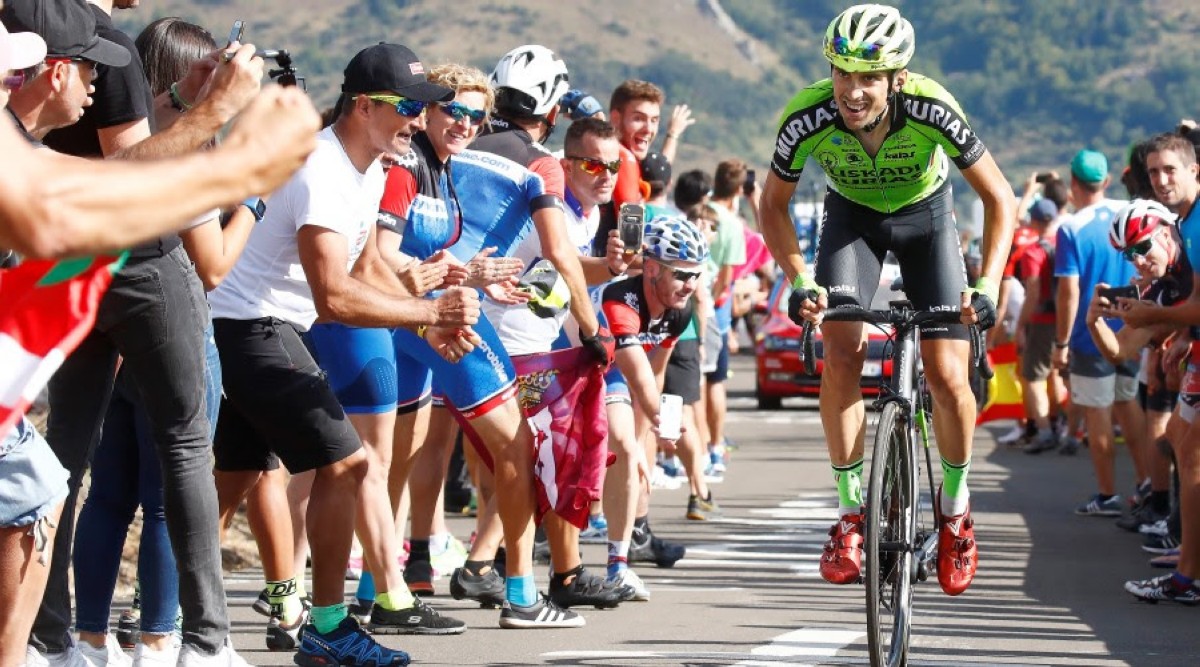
(1004, 399)
(562, 396)
(46, 309)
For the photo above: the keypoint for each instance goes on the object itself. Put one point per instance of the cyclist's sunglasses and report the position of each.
(1139, 249)
(595, 166)
(404, 106)
(459, 111)
(682, 275)
(841, 46)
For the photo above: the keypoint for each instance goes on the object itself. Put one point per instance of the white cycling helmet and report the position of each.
(529, 80)
(671, 238)
(869, 38)
(1136, 221)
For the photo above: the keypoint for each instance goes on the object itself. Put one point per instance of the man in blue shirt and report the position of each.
(1083, 258)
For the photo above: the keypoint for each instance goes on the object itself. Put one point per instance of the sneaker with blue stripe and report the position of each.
(1096, 506)
(347, 645)
(1163, 588)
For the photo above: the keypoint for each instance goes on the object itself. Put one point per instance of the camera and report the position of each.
(285, 73)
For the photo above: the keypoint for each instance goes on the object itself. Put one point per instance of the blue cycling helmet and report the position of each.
(671, 238)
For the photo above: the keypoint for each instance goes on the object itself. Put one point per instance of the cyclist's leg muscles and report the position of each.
(847, 265)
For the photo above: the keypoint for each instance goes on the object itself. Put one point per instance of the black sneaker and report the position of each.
(1163, 588)
(1044, 442)
(654, 550)
(1159, 544)
(282, 637)
(418, 575)
(585, 589)
(129, 627)
(486, 589)
(541, 614)
(1142, 516)
(419, 619)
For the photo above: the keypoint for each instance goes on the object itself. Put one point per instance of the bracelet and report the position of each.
(672, 136)
(177, 99)
(421, 330)
(1062, 345)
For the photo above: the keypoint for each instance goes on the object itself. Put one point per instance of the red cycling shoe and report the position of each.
(957, 556)
(841, 562)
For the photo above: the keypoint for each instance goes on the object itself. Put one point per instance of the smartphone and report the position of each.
(631, 224)
(670, 417)
(235, 33)
(1124, 292)
(748, 186)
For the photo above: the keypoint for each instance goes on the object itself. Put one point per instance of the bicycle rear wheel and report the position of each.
(890, 539)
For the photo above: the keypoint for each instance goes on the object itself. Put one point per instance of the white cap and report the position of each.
(19, 50)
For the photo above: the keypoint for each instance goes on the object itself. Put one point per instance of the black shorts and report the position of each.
(1162, 400)
(683, 371)
(277, 401)
(855, 239)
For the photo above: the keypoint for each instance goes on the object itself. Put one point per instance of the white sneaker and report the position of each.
(71, 657)
(1013, 436)
(660, 480)
(110, 655)
(144, 656)
(628, 577)
(226, 657)
(446, 554)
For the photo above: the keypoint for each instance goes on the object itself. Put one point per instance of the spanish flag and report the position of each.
(1004, 400)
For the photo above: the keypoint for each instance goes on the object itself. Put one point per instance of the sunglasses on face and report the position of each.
(1139, 249)
(841, 46)
(404, 106)
(682, 275)
(14, 81)
(459, 111)
(595, 166)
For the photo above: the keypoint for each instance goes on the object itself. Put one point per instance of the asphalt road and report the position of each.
(1049, 590)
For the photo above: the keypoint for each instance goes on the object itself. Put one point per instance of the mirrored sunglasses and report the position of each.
(404, 106)
(595, 166)
(459, 111)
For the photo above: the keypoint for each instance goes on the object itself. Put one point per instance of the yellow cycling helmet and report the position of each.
(869, 38)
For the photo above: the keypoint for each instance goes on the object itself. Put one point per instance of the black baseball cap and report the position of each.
(69, 28)
(395, 68)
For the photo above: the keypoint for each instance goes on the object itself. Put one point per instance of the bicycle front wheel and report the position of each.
(890, 539)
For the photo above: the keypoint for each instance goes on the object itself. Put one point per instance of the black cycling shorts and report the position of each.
(855, 239)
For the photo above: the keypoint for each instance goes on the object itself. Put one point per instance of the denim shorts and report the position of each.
(32, 481)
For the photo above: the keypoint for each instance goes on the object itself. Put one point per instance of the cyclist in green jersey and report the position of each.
(884, 138)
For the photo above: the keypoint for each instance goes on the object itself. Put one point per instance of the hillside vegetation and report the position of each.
(1037, 79)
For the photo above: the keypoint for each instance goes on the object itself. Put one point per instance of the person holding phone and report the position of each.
(647, 314)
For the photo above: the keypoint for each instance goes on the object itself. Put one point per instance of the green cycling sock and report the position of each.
(954, 478)
(849, 483)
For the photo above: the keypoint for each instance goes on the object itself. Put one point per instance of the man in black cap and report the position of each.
(296, 269)
(56, 91)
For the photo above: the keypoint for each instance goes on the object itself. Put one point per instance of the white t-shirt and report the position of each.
(328, 191)
(521, 331)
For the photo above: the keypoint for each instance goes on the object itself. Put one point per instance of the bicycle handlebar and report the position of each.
(896, 317)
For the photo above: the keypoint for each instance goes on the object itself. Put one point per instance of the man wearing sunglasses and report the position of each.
(314, 256)
(884, 138)
(1171, 164)
(1084, 257)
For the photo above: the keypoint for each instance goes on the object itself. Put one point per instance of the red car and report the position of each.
(779, 369)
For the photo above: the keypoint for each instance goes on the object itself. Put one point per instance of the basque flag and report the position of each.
(46, 309)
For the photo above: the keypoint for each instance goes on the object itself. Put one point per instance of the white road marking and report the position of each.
(805, 643)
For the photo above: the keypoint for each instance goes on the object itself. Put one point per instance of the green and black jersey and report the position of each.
(927, 126)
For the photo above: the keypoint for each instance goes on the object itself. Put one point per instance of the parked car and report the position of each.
(779, 368)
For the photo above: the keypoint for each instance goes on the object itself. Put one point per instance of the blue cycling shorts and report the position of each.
(360, 365)
(477, 383)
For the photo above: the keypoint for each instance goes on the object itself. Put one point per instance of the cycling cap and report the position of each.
(869, 38)
(672, 238)
(1136, 221)
(529, 80)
